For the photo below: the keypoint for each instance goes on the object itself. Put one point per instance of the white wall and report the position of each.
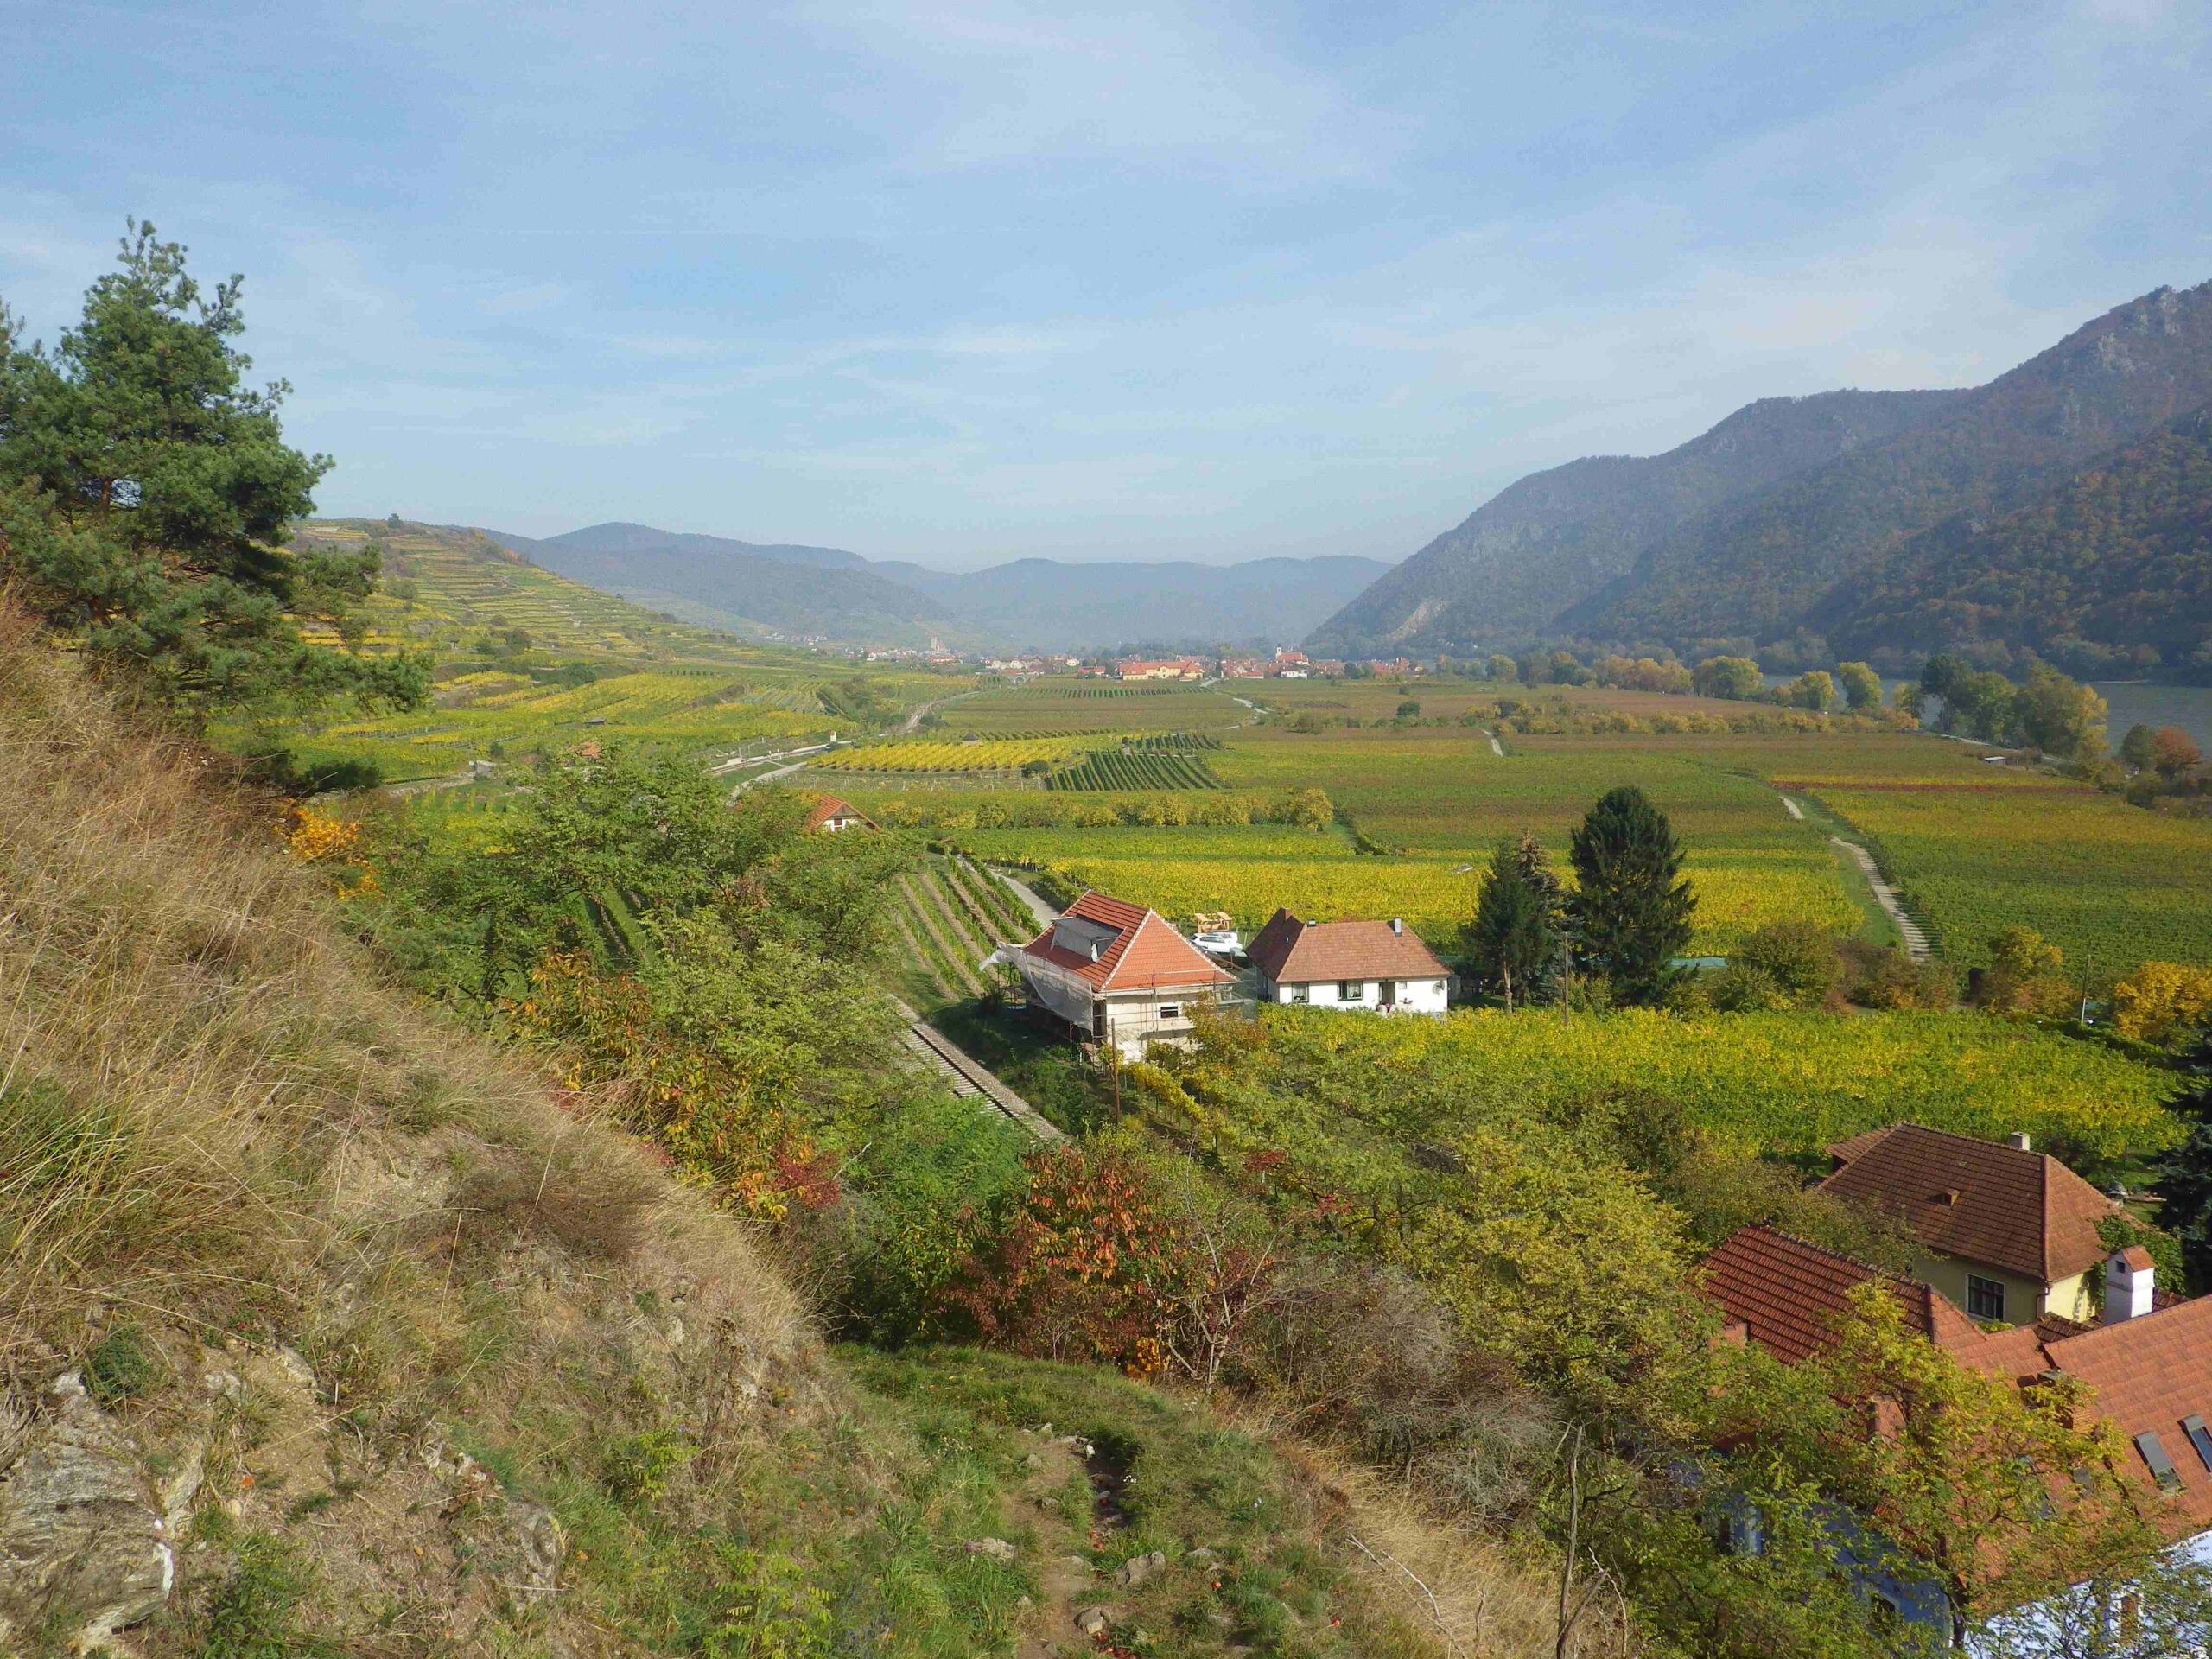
(1414, 996)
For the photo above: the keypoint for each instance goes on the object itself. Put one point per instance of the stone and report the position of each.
(540, 1546)
(1032, 1463)
(997, 1549)
(1078, 1564)
(1092, 1621)
(1201, 1556)
(1141, 1569)
(83, 1543)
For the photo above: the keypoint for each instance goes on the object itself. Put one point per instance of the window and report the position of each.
(1390, 992)
(1351, 990)
(2161, 1467)
(1171, 1010)
(2199, 1438)
(1297, 994)
(1985, 1297)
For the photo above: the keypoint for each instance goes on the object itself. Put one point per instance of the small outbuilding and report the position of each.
(1380, 966)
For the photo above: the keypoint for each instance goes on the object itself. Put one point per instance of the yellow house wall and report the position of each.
(2025, 1298)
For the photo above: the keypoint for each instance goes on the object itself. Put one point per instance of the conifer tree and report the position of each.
(147, 493)
(1514, 938)
(2185, 1182)
(1631, 908)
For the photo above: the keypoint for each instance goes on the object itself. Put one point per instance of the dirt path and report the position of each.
(1915, 938)
(1046, 914)
(1496, 747)
(1793, 809)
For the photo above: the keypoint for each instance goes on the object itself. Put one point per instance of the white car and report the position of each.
(1221, 942)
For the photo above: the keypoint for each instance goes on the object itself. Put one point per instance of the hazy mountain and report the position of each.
(1039, 604)
(1762, 564)
(1831, 511)
(746, 587)
(1556, 536)
(2117, 558)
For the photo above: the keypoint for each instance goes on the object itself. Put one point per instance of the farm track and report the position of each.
(1914, 937)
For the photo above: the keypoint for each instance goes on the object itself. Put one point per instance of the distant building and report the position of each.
(830, 815)
(1118, 973)
(2008, 1233)
(1180, 667)
(1380, 966)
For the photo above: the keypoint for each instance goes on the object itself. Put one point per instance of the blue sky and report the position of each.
(965, 281)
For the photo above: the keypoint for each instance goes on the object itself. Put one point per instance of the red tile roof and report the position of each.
(2148, 1373)
(1293, 952)
(1789, 1296)
(831, 807)
(1137, 949)
(2024, 1211)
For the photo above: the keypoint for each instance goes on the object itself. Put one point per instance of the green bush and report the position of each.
(1797, 957)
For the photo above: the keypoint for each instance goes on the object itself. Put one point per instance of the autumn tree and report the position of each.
(1862, 686)
(2002, 1494)
(1734, 678)
(2173, 752)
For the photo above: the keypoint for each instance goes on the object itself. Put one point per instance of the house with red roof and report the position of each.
(2148, 1358)
(1119, 973)
(830, 815)
(2008, 1233)
(1380, 966)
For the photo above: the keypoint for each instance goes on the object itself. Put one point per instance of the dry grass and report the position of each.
(208, 1114)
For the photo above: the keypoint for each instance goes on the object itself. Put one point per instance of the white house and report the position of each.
(1380, 966)
(1118, 972)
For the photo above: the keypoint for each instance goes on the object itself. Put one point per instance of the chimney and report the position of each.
(1397, 924)
(2019, 1140)
(2129, 1279)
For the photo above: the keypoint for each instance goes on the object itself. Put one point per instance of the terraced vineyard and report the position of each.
(950, 916)
(1169, 761)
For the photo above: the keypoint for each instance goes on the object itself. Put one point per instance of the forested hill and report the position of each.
(751, 589)
(1555, 537)
(1755, 529)
(1762, 565)
(2117, 558)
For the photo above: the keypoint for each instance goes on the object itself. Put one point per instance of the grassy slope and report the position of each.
(395, 1302)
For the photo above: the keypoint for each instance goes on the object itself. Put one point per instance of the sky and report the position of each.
(962, 283)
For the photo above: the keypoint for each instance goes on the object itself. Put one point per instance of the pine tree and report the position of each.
(1631, 909)
(1514, 938)
(146, 493)
(2185, 1182)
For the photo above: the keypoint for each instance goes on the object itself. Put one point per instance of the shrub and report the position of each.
(1086, 1267)
(2163, 1001)
(1798, 957)
(121, 1366)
